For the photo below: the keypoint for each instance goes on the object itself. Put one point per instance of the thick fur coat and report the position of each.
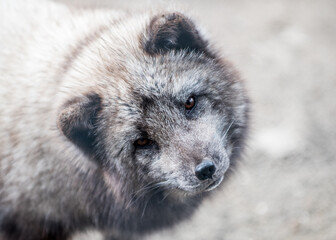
(78, 89)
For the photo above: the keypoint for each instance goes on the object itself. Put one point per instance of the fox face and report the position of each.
(169, 114)
(186, 127)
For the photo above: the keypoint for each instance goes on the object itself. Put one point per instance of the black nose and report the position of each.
(205, 170)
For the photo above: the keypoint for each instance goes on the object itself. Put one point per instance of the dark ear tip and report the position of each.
(172, 16)
(173, 31)
(65, 116)
(77, 119)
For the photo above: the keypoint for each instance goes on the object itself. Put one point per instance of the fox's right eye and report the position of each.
(190, 103)
(142, 142)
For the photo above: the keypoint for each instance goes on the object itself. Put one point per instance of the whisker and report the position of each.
(143, 191)
(157, 185)
(166, 195)
(228, 129)
(138, 193)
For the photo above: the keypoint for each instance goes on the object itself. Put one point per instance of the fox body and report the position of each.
(108, 120)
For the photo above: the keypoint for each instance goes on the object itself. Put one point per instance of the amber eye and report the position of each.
(141, 142)
(190, 103)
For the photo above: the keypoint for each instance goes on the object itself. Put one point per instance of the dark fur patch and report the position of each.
(174, 31)
(77, 120)
(12, 229)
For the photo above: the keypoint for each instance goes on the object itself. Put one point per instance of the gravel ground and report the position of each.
(285, 187)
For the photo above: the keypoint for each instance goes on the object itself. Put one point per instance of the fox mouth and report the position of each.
(213, 185)
(199, 188)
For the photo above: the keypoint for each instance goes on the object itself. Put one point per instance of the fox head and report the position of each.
(155, 106)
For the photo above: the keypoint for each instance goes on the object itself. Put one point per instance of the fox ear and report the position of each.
(173, 31)
(78, 120)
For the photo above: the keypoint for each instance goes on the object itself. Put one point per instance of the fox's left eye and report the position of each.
(190, 103)
(142, 142)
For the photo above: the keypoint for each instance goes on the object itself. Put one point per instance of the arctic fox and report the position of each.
(108, 120)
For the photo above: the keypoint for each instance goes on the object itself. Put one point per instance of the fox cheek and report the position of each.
(77, 120)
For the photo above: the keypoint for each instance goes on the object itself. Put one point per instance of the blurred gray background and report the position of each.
(285, 187)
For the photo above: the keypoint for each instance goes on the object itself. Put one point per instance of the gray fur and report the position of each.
(78, 89)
